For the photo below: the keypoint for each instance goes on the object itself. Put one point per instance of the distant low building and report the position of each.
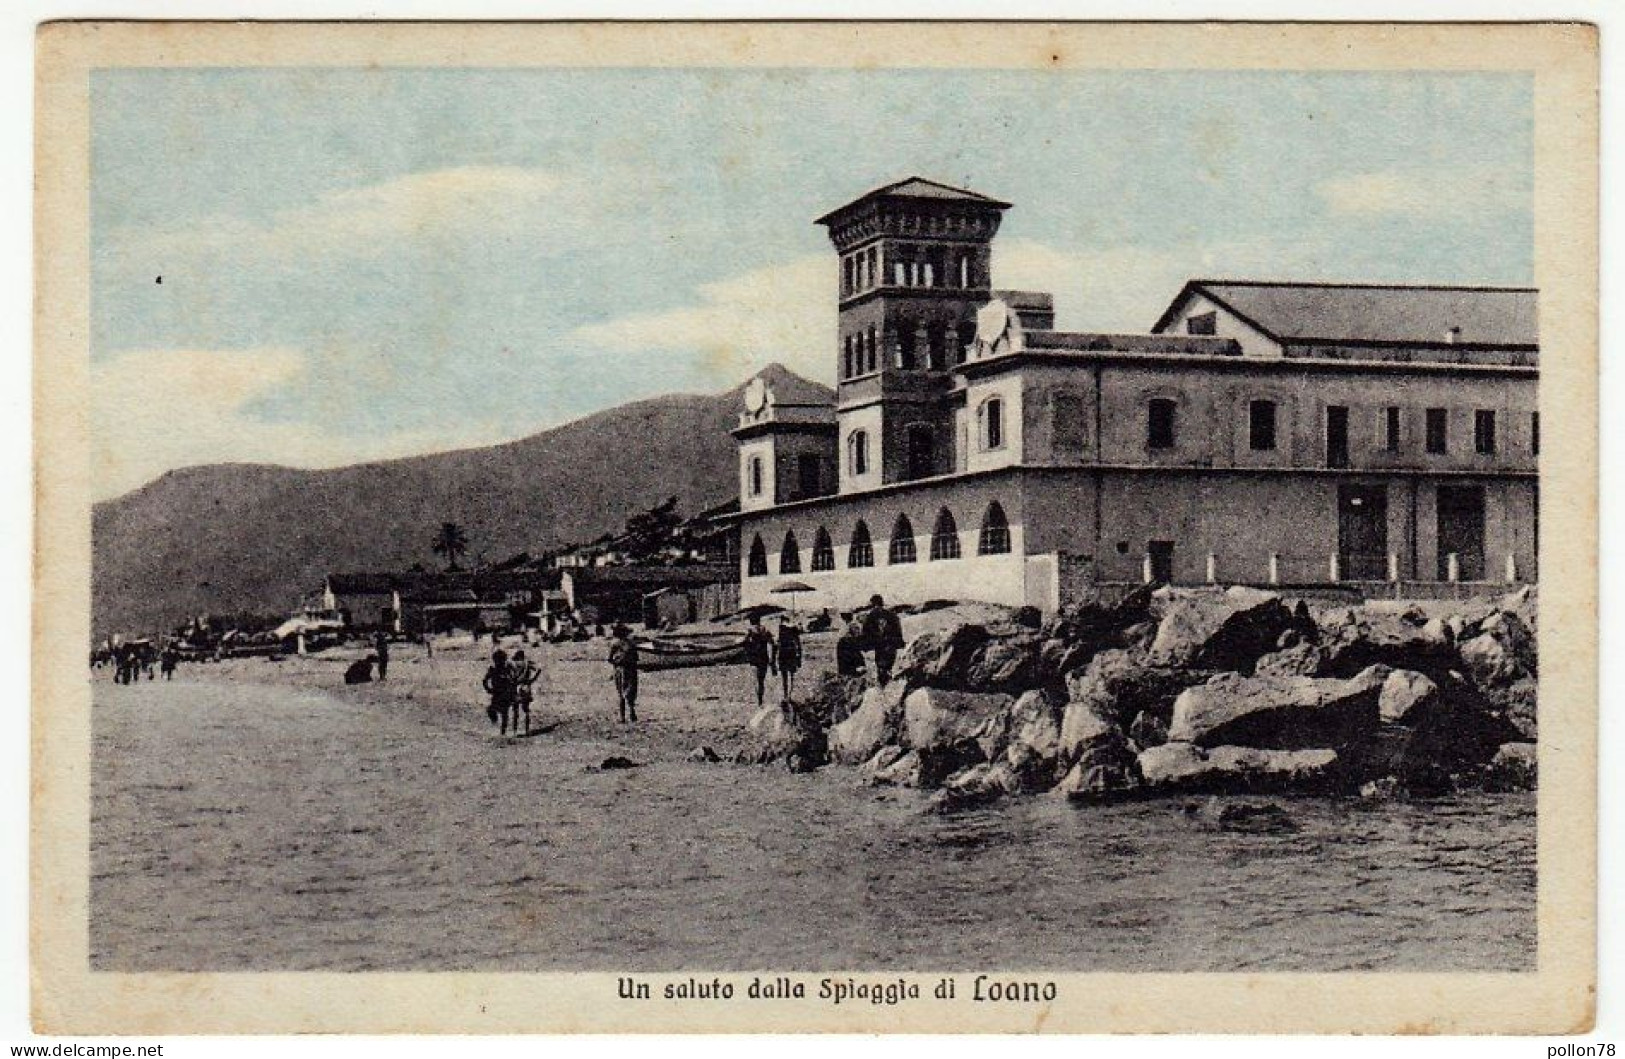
(605, 594)
(362, 601)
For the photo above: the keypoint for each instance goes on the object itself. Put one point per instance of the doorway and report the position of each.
(1161, 554)
(1461, 531)
(922, 451)
(1362, 532)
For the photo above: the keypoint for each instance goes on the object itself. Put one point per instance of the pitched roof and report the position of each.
(788, 388)
(916, 187)
(1361, 313)
(360, 584)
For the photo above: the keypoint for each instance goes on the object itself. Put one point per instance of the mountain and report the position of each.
(228, 538)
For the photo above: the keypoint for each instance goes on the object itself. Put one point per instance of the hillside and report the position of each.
(236, 537)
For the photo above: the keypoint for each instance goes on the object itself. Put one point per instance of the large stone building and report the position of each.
(1261, 432)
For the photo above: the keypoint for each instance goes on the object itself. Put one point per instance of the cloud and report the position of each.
(738, 325)
(154, 410)
(462, 202)
(1457, 192)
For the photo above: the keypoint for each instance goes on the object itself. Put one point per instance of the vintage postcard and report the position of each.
(815, 527)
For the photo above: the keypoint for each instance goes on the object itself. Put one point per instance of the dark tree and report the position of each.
(451, 544)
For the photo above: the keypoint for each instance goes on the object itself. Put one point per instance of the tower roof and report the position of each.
(916, 187)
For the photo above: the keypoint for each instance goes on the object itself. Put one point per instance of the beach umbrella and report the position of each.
(793, 588)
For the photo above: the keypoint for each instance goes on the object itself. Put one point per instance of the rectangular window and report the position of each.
(1484, 432)
(1337, 436)
(755, 476)
(1159, 423)
(1202, 324)
(1390, 428)
(1534, 433)
(1438, 440)
(1261, 426)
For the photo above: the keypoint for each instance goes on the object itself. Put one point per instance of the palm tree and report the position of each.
(451, 542)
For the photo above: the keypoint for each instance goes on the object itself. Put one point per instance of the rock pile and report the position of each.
(1192, 691)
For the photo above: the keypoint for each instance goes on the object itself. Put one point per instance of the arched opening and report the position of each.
(757, 564)
(857, 452)
(861, 552)
(790, 554)
(905, 345)
(995, 536)
(945, 536)
(823, 553)
(991, 429)
(902, 541)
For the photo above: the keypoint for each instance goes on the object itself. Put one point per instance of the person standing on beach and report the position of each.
(166, 662)
(623, 660)
(849, 650)
(525, 673)
(883, 632)
(498, 683)
(789, 660)
(759, 653)
(380, 648)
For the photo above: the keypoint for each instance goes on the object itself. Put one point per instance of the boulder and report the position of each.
(1147, 730)
(971, 788)
(1105, 771)
(1516, 703)
(1057, 659)
(1281, 713)
(831, 698)
(1388, 639)
(1007, 663)
(924, 769)
(1027, 617)
(1514, 768)
(1034, 724)
(776, 737)
(1083, 724)
(934, 718)
(1300, 659)
(876, 722)
(1407, 697)
(704, 755)
(1502, 652)
(1227, 630)
(1120, 685)
(1523, 604)
(1184, 767)
(883, 759)
(941, 659)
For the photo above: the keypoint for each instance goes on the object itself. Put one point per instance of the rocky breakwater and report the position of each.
(1183, 691)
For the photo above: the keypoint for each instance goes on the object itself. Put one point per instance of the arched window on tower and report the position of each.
(995, 536)
(861, 551)
(872, 361)
(964, 270)
(846, 276)
(945, 536)
(899, 274)
(991, 423)
(755, 476)
(790, 554)
(936, 346)
(757, 563)
(823, 555)
(857, 452)
(905, 344)
(902, 541)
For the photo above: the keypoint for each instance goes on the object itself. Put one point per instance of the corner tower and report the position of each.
(914, 265)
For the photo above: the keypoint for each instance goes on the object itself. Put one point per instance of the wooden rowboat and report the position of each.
(684, 652)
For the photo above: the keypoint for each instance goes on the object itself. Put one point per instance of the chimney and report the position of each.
(1452, 336)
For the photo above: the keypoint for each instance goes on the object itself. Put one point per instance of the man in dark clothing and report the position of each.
(380, 649)
(167, 661)
(498, 683)
(788, 658)
(849, 651)
(883, 633)
(623, 660)
(525, 673)
(759, 653)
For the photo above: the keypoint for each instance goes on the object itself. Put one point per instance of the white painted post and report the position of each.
(1336, 567)
(300, 649)
(1452, 567)
(1212, 569)
(1145, 568)
(1275, 568)
(1512, 569)
(1393, 566)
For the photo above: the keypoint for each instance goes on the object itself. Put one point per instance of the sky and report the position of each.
(314, 267)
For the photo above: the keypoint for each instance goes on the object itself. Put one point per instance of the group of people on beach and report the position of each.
(132, 661)
(511, 685)
(510, 681)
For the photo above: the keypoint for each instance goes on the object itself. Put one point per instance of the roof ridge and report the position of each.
(1334, 285)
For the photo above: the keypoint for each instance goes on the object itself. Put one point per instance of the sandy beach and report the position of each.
(257, 815)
